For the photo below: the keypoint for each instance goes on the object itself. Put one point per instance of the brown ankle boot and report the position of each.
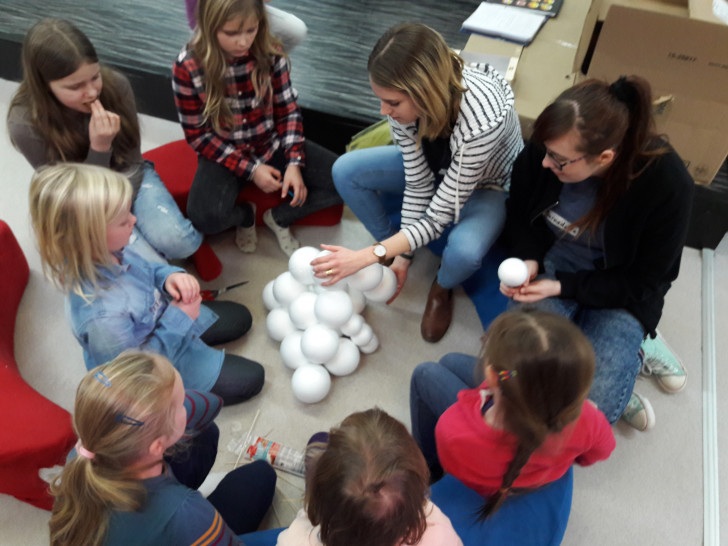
(438, 313)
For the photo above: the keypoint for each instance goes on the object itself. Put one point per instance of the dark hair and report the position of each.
(414, 59)
(370, 485)
(52, 50)
(553, 363)
(607, 117)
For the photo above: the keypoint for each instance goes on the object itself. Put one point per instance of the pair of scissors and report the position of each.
(209, 295)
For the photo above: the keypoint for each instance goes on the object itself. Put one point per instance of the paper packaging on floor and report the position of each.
(686, 63)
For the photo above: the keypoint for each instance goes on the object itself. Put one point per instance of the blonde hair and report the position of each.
(71, 205)
(135, 386)
(415, 60)
(211, 17)
(52, 50)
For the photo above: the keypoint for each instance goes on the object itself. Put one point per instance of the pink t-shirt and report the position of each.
(439, 531)
(478, 454)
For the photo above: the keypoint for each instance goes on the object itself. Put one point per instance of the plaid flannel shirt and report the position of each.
(260, 127)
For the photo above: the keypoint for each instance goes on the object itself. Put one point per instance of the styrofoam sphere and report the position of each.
(367, 278)
(363, 336)
(341, 285)
(299, 264)
(291, 352)
(513, 272)
(357, 299)
(301, 310)
(346, 359)
(319, 343)
(353, 325)
(286, 288)
(279, 324)
(370, 347)
(385, 289)
(333, 308)
(269, 300)
(311, 383)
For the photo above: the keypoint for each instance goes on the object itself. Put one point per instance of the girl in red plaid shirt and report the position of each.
(239, 113)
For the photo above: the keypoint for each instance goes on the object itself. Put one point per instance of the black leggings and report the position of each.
(240, 378)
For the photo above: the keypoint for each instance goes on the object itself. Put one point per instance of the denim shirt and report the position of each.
(131, 311)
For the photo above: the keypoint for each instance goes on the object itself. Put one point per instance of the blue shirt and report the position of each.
(131, 311)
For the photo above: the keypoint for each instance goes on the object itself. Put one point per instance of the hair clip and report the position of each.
(101, 378)
(126, 420)
(506, 374)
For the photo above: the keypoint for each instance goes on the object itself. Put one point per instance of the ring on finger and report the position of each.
(329, 272)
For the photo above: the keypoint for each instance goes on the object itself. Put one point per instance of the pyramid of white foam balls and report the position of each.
(321, 328)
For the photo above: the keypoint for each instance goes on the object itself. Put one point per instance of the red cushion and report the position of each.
(176, 163)
(35, 432)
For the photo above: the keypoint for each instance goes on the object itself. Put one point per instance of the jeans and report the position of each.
(434, 387)
(360, 175)
(616, 336)
(160, 222)
(212, 203)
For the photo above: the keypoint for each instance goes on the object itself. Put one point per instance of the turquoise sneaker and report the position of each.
(660, 361)
(639, 412)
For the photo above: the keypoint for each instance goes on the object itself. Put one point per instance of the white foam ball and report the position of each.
(311, 383)
(302, 310)
(269, 300)
(353, 325)
(513, 272)
(363, 336)
(279, 324)
(299, 264)
(333, 308)
(286, 288)
(370, 347)
(357, 299)
(340, 285)
(291, 352)
(345, 360)
(367, 278)
(385, 289)
(319, 343)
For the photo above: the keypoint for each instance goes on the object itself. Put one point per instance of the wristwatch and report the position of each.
(380, 251)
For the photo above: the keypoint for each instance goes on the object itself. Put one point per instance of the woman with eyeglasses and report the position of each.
(598, 209)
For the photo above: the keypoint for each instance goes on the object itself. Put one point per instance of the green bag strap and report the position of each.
(374, 135)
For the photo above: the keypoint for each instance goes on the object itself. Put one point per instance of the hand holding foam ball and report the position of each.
(513, 272)
(311, 383)
(299, 264)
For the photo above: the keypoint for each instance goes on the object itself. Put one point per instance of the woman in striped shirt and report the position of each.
(456, 135)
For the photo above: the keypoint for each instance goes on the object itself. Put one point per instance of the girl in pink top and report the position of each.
(529, 421)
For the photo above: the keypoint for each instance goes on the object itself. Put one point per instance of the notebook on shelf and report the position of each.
(549, 8)
(505, 22)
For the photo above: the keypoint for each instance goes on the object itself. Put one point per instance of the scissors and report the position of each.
(209, 295)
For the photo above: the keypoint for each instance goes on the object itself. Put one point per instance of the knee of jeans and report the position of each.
(205, 221)
(462, 256)
(178, 244)
(340, 172)
(422, 374)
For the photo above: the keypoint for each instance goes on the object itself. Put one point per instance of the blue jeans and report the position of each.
(360, 175)
(434, 387)
(160, 222)
(616, 336)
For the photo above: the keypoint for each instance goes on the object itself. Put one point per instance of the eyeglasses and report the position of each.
(560, 165)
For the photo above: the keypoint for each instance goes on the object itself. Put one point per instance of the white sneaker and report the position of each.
(639, 412)
(660, 361)
(288, 243)
(246, 237)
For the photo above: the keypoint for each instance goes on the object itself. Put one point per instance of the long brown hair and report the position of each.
(551, 365)
(607, 117)
(414, 59)
(211, 17)
(52, 50)
(370, 485)
(121, 408)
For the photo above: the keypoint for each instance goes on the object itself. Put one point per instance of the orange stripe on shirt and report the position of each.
(211, 533)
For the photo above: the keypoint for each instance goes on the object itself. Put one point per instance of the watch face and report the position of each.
(380, 251)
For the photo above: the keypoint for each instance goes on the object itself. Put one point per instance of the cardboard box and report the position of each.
(671, 7)
(685, 60)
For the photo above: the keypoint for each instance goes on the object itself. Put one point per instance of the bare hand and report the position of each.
(400, 266)
(191, 308)
(292, 180)
(182, 287)
(341, 263)
(102, 127)
(537, 290)
(267, 178)
(511, 291)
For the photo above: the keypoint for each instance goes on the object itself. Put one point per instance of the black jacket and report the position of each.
(644, 234)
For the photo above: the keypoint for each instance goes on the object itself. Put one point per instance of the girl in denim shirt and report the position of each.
(117, 300)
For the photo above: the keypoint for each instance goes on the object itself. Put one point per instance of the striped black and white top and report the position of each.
(484, 144)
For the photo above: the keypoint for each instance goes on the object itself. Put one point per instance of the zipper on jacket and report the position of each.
(549, 207)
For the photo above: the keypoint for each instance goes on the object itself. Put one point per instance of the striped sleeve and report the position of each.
(484, 144)
(189, 97)
(287, 114)
(202, 408)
